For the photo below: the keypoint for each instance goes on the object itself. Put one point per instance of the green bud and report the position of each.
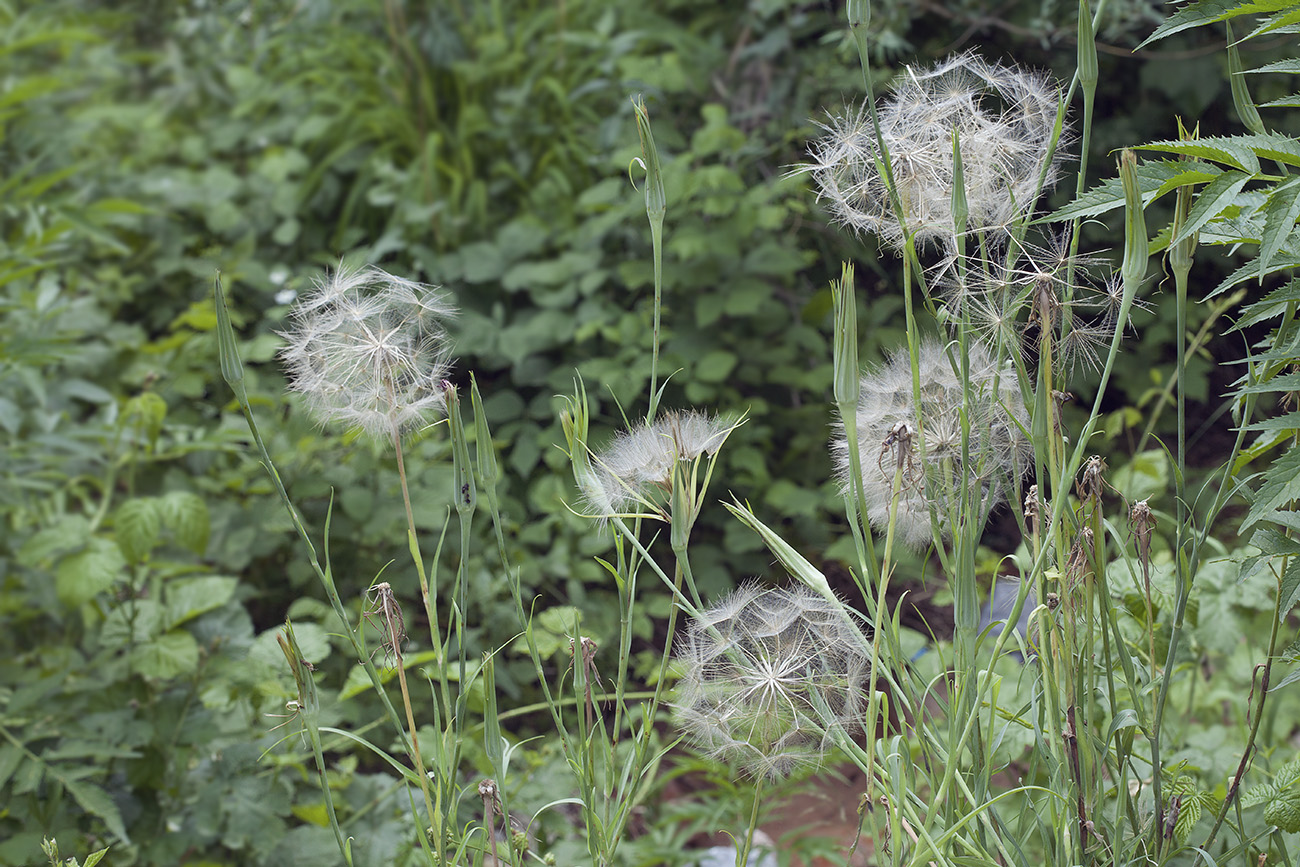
(1136, 242)
(1087, 61)
(848, 379)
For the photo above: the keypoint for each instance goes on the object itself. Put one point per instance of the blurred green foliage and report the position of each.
(144, 563)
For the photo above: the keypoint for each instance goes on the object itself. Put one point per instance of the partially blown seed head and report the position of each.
(891, 429)
(368, 349)
(770, 678)
(635, 471)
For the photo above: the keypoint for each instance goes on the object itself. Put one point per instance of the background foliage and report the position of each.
(483, 146)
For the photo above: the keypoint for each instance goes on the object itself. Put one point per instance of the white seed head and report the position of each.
(1004, 118)
(636, 468)
(368, 349)
(998, 451)
(770, 678)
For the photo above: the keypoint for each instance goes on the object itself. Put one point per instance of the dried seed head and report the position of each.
(770, 677)
(997, 454)
(368, 349)
(634, 473)
(1004, 119)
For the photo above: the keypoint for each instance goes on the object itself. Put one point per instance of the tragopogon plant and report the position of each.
(770, 678)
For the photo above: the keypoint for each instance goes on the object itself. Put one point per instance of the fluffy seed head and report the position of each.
(635, 471)
(770, 677)
(368, 349)
(889, 423)
(1004, 118)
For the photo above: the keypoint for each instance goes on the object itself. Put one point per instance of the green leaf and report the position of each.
(95, 857)
(187, 599)
(136, 525)
(1146, 475)
(1284, 811)
(1217, 196)
(1209, 12)
(1153, 181)
(1281, 486)
(1279, 221)
(1289, 592)
(149, 410)
(80, 576)
(169, 655)
(68, 534)
(186, 515)
(1233, 151)
(97, 802)
(715, 366)
(10, 757)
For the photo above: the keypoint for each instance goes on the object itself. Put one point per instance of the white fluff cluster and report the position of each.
(636, 469)
(998, 450)
(1004, 119)
(769, 677)
(369, 350)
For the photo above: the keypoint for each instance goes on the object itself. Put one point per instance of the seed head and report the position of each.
(368, 349)
(997, 454)
(770, 677)
(635, 472)
(1004, 118)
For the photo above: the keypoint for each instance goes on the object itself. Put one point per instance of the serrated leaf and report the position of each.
(1250, 272)
(169, 655)
(137, 524)
(187, 599)
(80, 576)
(1288, 422)
(97, 802)
(1289, 593)
(186, 515)
(1290, 66)
(1233, 151)
(1188, 816)
(1273, 304)
(1292, 101)
(1283, 382)
(1217, 196)
(1279, 220)
(1107, 196)
(1209, 12)
(1281, 486)
(1284, 812)
(1258, 795)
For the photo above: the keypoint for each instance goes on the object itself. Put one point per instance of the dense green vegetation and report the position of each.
(146, 561)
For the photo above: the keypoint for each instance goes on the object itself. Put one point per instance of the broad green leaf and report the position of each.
(136, 525)
(186, 515)
(10, 757)
(94, 858)
(97, 802)
(148, 410)
(80, 576)
(69, 533)
(715, 366)
(135, 621)
(171, 654)
(188, 598)
(1146, 475)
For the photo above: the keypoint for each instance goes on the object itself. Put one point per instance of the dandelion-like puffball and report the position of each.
(1004, 118)
(636, 469)
(890, 429)
(769, 677)
(368, 349)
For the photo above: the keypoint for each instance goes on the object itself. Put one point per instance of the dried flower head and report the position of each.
(1004, 118)
(635, 471)
(769, 677)
(368, 349)
(997, 452)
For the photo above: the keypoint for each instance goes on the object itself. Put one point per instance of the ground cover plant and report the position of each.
(507, 668)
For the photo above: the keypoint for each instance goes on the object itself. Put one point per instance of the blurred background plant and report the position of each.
(146, 562)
